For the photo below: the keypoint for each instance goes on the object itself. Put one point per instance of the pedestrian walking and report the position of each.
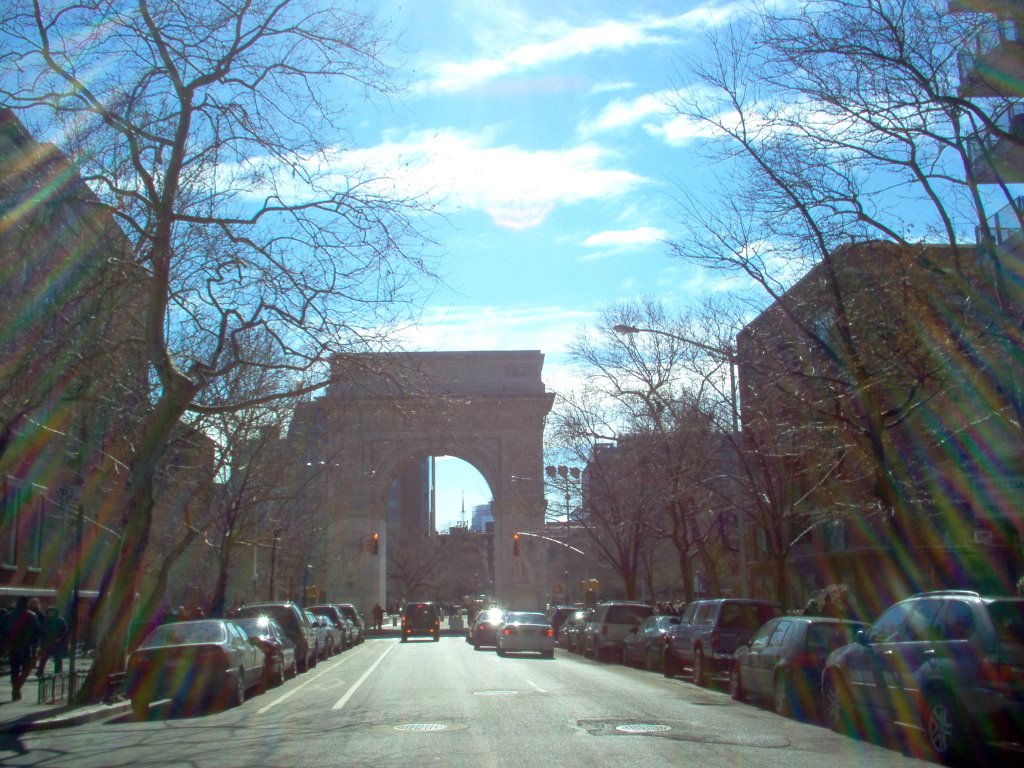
(20, 630)
(378, 617)
(53, 641)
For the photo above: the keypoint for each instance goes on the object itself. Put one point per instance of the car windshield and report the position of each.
(186, 633)
(826, 637)
(517, 617)
(628, 614)
(256, 625)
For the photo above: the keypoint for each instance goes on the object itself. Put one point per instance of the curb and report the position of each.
(64, 719)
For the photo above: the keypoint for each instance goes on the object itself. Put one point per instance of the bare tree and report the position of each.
(213, 135)
(844, 124)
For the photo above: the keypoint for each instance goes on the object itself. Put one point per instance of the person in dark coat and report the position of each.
(53, 641)
(20, 631)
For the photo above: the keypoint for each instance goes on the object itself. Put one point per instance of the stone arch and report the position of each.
(487, 408)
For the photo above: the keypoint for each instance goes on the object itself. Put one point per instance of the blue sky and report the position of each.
(542, 132)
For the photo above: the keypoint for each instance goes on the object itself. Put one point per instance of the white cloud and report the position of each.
(518, 188)
(474, 328)
(626, 238)
(518, 44)
(622, 113)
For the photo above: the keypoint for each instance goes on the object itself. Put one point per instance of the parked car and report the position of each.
(483, 630)
(606, 631)
(526, 631)
(333, 634)
(341, 629)
(194, 663)
(643, 644)
(421, 619)
(569, 637)
(278, 650)
(296, 626)
(356, 618)
(950, 662)
(709, 632)
(784, 660)
(319, 640)
(557, 615)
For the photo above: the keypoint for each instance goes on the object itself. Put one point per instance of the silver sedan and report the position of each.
(526, 631)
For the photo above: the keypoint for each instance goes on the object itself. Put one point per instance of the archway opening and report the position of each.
(462, 497)
(440, 532)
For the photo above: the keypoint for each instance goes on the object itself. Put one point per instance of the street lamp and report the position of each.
(729, 355)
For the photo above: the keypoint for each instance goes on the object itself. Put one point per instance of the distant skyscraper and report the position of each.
(483, 518)
(409, 501)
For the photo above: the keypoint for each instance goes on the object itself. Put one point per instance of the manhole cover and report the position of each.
(642, 728)
(496, 693)
(422, 727)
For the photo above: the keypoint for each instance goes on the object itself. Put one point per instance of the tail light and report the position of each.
(509, 631)
(549, 632)
(1004, 677)
(716, 636)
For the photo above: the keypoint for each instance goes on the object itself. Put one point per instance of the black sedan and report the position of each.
(194, 663)
(484, 629)
(784, 660)
(279, 659)
(644, 643)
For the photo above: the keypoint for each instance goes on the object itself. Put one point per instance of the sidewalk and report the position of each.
(29, 714)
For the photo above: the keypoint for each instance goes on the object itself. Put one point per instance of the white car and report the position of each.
(526, 631)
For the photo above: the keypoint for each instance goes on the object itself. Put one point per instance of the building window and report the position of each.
(835, 536)
(9, 505)
(34, 515)
(22, 512)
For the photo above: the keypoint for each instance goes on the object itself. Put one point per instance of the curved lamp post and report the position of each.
(729, 355)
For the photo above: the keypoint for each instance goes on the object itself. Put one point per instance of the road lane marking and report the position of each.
(536, 687)
(355, 686)
(311, 677)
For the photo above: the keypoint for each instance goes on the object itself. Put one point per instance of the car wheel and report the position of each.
(548, 654)
(301, 663)
(263, 683)
(437, 638)
(839, 706)
(700, 672)
(499, 650)
(781, 698)
(279, 677)
(669, 664)
(947, 735)
(140, 707)
(736, 682)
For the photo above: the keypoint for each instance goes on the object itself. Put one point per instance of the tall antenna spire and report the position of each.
(462, 517)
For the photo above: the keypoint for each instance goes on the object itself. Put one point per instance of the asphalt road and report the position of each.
(444, 704)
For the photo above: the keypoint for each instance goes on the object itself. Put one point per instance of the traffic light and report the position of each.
(515, 545)
(375, 544)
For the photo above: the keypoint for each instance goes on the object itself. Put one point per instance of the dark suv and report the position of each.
(710, 631)
(422, 619)
(296, 626)
(950, 662)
